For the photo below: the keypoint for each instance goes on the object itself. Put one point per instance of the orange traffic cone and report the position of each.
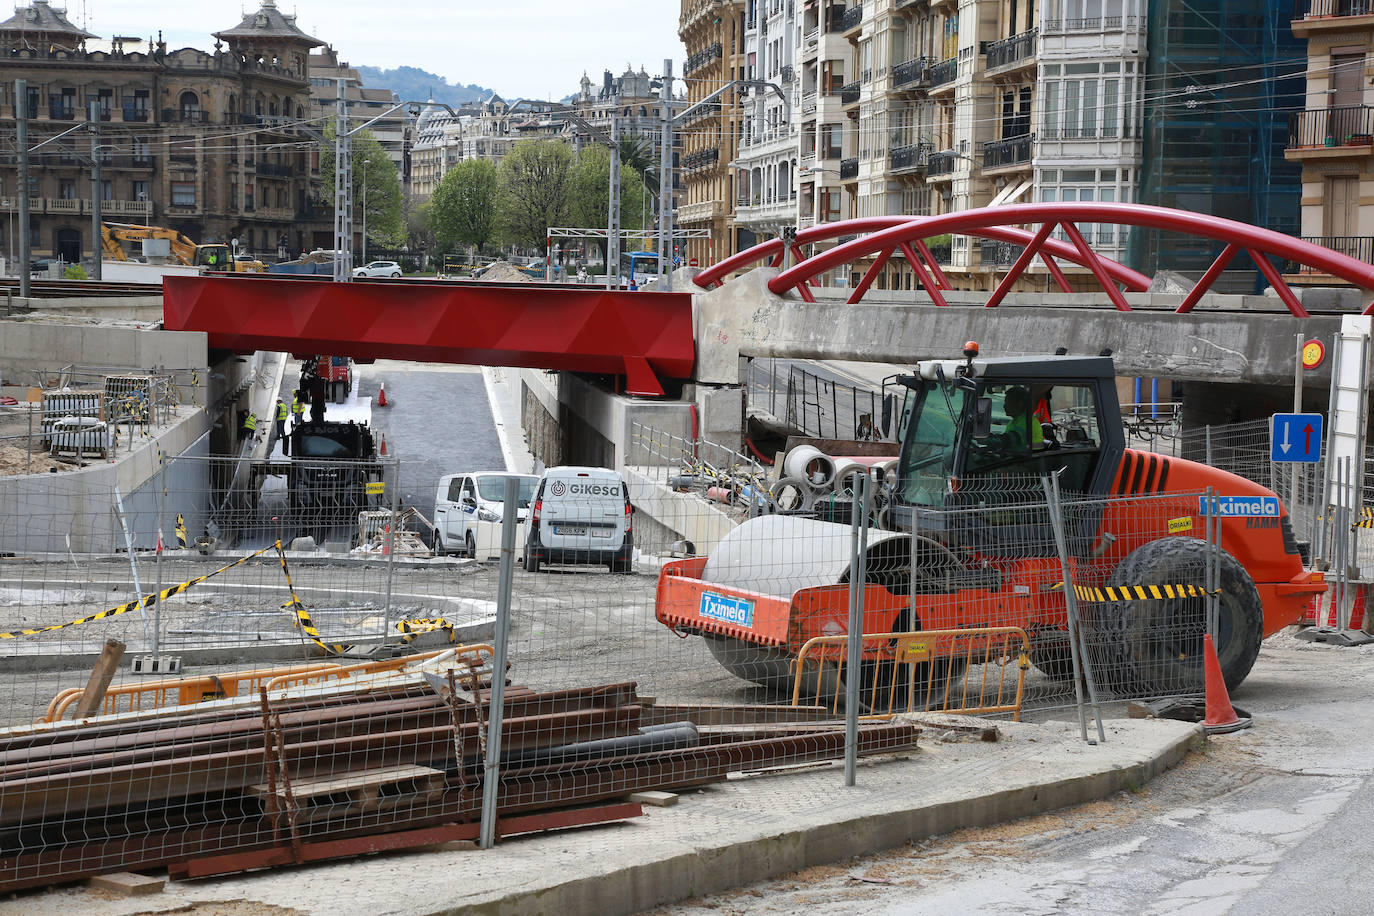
(383, 450)
(1221, 715)
(381, 397)
(386, 540)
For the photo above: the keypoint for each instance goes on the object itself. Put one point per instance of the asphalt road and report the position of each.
(1273, 820)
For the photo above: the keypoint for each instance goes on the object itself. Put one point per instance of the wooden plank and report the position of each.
(567, 817)
(358, 779)
(101, 675)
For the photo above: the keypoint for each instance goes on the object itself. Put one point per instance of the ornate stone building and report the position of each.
(212, 144)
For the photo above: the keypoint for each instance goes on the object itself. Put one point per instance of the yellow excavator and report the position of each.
(215, 256)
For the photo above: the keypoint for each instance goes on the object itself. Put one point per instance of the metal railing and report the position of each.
(911, 73)
(941, 163)
(849, 168)
(1360, 247)
(1348, 125)
(1011, 50)
(1094, 24)
(915, 157)
(946, 71)
(186, 115)
(703, 57)
(275, 170)
(993, 253)
(849, 93)
(1013, 151)
(852, 17)
(1322, 9)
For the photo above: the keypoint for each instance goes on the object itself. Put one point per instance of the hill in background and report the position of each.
(416, 84)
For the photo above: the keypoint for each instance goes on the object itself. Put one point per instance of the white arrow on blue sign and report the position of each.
(1295, 437)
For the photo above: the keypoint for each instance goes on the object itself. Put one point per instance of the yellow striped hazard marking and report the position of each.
(302, 613)
(414, 627)
(146, 601)
(181, 531)
(1138, 592)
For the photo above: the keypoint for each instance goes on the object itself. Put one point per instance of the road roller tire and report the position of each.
(1154, 647)
(770, 668)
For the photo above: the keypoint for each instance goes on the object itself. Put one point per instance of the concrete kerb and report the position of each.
(734, 861)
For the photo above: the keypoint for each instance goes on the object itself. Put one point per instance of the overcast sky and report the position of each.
(520, 48)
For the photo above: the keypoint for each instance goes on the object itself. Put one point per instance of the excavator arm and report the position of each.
(183, 249)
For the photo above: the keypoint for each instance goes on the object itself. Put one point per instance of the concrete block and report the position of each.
(656, 799)
(128, 884)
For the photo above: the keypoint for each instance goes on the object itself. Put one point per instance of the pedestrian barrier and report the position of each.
(473, 657)
(955, 671)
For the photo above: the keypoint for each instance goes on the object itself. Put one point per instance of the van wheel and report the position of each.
(531, 561)
(439, 549)
(471, 547)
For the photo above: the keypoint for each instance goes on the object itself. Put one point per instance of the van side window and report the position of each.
(454, 486)
(468, 491)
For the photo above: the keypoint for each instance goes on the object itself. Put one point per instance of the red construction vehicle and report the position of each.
(966, 549)
(337, 374)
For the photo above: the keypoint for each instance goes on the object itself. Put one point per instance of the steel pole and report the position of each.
(497, 700)
(96, 245)
(613, 210)
(21, 122)
(853, 660)
(665, 180)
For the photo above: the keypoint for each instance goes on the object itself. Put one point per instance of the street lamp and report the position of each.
(365, 162)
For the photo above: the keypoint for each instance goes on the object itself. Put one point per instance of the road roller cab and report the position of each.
(972, 545)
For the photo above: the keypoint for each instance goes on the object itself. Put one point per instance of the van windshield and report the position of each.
(493, 489)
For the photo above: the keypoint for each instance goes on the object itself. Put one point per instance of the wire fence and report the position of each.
(307, 685)
(811, 404)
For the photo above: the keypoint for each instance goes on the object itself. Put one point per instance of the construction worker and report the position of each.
(282, 413)
(250, 425)
(1023, 427)
(297, 408)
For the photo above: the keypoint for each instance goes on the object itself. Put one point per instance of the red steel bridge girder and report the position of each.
(643, 336)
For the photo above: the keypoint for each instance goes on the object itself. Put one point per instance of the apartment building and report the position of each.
(208, 143)
(714, 34)
(484, 131)
(768, 152)
(1332, 138)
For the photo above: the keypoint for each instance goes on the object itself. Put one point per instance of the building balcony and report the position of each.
(808, 102)
(1326, 133)
(185, 116)
(849, 169)
(912, 74)
(74, 205)
(275, 170)
(910, 160)
(701, 159)
(1009, 54)
(849, 94)
(141, 208)
(941, 164)
(133, 114)
(127, 162)
(944, 73)
(853, 17)
(1359, 247)
(1012, 152)
(998, 254)
(1093, 24)
(1317, 16)
(701, 211)
(707, 55)
(708, 110)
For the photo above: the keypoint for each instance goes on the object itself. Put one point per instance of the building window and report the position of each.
(832, 141)
(66, 189)
(1084, 101)
(139, 189)
(183, 193)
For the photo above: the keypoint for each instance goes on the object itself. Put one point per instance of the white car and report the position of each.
(388, 269)
(467, 513)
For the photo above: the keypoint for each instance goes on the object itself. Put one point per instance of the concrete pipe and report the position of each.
(810, 464)
(846, 473)
(792, 494)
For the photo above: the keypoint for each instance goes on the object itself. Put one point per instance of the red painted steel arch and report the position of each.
(1259, 243)
(773, 250)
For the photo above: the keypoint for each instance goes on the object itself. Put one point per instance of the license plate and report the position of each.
(570, 530)
(601, 532)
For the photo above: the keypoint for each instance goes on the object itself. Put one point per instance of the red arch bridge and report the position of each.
(644, 337)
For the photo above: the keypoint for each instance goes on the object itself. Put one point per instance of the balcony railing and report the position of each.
(852, 17)
(1013, 151)
(999, 254)
(134, 114)
(849, 168)
(849, 93)
(274, 170)
(1360, 247)
(946, 71)
(1351, 125)
(835, 22)
(703, 57)
(185, 115)
(912, 158)
(943, 252)
(1011, 50)
(701, 159)
(1322, 9)
(59, 112)
(1094, 24)
(911, 73)
(941, 163)
(66, 205)
(127, 162)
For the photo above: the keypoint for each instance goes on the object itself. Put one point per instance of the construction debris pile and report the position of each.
(503, 272)
(361, 764)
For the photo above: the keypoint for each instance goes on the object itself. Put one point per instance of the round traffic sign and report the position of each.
(693, 263)
(1313, 354)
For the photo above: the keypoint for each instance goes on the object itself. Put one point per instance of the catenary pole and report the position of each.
(21, 103)
(665, 180)
(93, 113)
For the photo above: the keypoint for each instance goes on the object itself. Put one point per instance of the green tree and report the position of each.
(386, 222)
(534, 189)
(590, 192)
(637, 154)
(463, 209)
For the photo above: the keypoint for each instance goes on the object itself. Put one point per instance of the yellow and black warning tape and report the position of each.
(1366, 519)
(181, 531)
(302, 613)
(414, 627)
(1138, 592)
(146, 601)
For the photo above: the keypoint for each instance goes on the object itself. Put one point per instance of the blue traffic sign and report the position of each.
(1296, 437)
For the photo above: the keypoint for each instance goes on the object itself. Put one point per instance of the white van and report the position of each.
(467, 513)
(581, 515)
